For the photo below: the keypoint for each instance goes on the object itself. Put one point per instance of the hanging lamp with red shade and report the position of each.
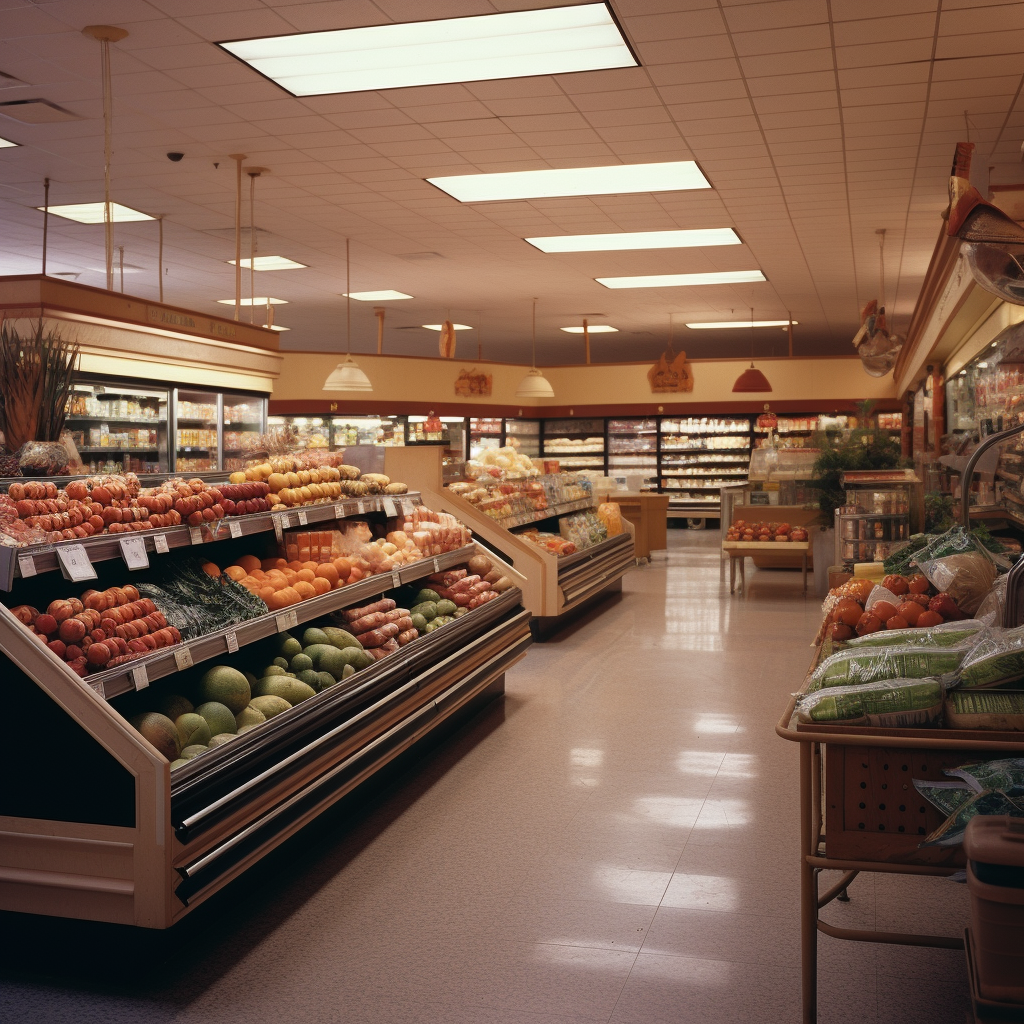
(751, 379)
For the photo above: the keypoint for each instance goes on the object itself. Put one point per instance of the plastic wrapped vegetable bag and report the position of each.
(866, 665)
(998, 658)
(889, 703)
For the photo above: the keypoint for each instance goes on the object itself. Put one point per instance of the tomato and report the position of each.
(918, 584)
(885, 610)
(868, 623)
(929, 619)
(861, 589)
(896, 622)
(910, 611)
(848, 612)
(896, 585)
(839, 632)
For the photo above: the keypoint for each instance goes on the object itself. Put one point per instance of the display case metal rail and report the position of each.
(554, 587)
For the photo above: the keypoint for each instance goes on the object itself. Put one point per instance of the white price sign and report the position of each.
(437, 565)
(396, 580)
(133, 551)
(236, 528)
(360, 507)
(303, 518)
(140, 677)
(183, 659)
(287, 620)
(389, 507)
(75, 564)
(279, 529)
(339, 511)
(232, 642)
(26, 565)
(160, 543)
(196, 533)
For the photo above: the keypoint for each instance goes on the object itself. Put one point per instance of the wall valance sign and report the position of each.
(671, 374)
(473, 382)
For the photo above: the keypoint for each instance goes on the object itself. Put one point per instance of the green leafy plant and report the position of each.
(860, 448)
(938, 512)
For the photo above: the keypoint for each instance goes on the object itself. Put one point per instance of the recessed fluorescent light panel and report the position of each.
(92, 213)
(725, 325)
(259, 300)
(637, 240)
(516, 44)
(7, 144)
(591, 329)
(270, 263)
(437, 327)
(682, 280)
(386, 295)
(619, 179)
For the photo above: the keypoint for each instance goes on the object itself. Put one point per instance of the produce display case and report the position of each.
(309, 431)
(119, 428)
(552, 586)
(107, 831)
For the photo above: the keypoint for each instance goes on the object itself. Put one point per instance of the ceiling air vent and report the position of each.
(36, 111)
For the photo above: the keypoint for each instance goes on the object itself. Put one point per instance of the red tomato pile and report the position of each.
(742, 530)
(916, 605)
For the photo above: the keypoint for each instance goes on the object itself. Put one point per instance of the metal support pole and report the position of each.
(46, 218)
(238, 158)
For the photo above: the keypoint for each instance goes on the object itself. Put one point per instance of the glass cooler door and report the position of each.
(197, 417)
(243, 421)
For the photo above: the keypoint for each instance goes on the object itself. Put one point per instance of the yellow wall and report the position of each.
(400, 379)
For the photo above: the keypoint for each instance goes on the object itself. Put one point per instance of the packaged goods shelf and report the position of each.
(35, 559)
(510, 522)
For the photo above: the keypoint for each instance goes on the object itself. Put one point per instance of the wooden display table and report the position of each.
(649, 515)
(740, 550)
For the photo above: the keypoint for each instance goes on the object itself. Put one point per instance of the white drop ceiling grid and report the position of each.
(816, 121)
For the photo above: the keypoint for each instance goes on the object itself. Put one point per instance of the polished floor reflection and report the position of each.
(617, 843)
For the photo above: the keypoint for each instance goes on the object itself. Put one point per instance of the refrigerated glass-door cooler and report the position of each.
(197, 418)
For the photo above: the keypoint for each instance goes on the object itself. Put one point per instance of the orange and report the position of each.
(344, 567)
(210, 569)
(277, 601)
(289, 596)
(321, 585)
(305, 590)
(249, 562)
(310, 565)
(328, 572)
(266, 595)
(258, 574)
(306, 575)
(294, 564)
(355, 576)
(236, 572)
(272, 563)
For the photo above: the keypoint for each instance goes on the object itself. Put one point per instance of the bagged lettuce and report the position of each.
(996, 659)
(889, 703)
(946, 634)
(989, 801)
(866, 665)
(981, 787)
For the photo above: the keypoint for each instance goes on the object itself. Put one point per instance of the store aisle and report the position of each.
(617, 843)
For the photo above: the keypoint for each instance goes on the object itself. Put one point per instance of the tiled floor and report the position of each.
(617, 843)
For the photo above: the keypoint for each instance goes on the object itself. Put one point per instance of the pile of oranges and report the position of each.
(280, 584)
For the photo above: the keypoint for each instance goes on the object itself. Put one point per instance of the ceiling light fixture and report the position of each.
(591, 328)
(269, 263)
(737, 324)
(751, 380)
(258, 300)
(515, 44)
(683, 280)
(7, 144)
(347, 376)
(618, 179)
(534, 384)
(700, 237)
(438, 327)
(384, 295)
(92, 213)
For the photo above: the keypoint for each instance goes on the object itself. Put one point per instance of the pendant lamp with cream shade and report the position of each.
(535, 384)
(347, 376)
(751, 379)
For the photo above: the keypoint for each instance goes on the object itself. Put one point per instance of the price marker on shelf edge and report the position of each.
(235, 527)
(396, 580)
(232, 642)
(160, 543)
(303, 518)
(140, 677)
(196, 534)
(279, 529)
(183, 659)
(389, 508)
(75, 564)
(26, 565)
(133, 551)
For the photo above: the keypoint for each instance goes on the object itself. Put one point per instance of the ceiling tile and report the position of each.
(675, 25)
(980, 44)
(644, 115)
(885, 53)
(779, 63)
(668, 51)
(331, 14)
(698, 71)
(885, 30)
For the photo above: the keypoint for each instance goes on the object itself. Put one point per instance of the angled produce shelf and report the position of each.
(553, 586)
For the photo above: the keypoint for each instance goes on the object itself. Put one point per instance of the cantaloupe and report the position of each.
(173, 705)
(161, 732)
(249, 717)
(192, 728)
(220, 739)
(270, 706)
(177, 764)
(314, 636)
(193, 751)
(218, 717)
(292, 690)
(227, 686)
(340, 637)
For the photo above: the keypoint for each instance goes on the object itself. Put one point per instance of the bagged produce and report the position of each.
(980, 787)
(990, 801)
(958, 565)
(889, 703)
(611, 515)
(998, 658)
(946, 634)
(985, 709)
(866, 665)
(948, 797)
(993, 607)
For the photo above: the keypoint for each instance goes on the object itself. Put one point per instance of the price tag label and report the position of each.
(287, 620)
(339, 511)
(96, 688)
(183, 659)
(26, 565)
(160, 543)
(236, 528)
(196, 534)
(303, 518)
(389, 507)
(408, 507)
(75, 564)
(133, 551)
(140, 677)
(232, 642)
(361, 507)
(396, 580)
(437, 565)
(279, 529)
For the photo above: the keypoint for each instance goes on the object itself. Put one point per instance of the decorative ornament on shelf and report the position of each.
(671, 374)
(751, 380)
(535, 384)
(347, 376)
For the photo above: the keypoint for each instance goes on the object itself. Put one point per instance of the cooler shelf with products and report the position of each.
(697, 456)
(139, 835)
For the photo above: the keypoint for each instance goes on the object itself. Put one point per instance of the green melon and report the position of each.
(287, 645)
(227, 686)
(311, 678)
(161, 732)
(325, 680)
(270, 706)
(300, 663)
(281, 663)
(428, 609)
(250, 678)
(275, 670)
(427, 595)
(330, 659)
(218, 716)
(362, 659)
(350, 670)
(177, 764)
(249, 728)
(220, 739)
(292, 690)
(459, 612)
(192, 729)
(446, 607)
(173, 705)
(419, 621)
(193, 751)
(340, 638)
(248, 717)
(314, 636)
